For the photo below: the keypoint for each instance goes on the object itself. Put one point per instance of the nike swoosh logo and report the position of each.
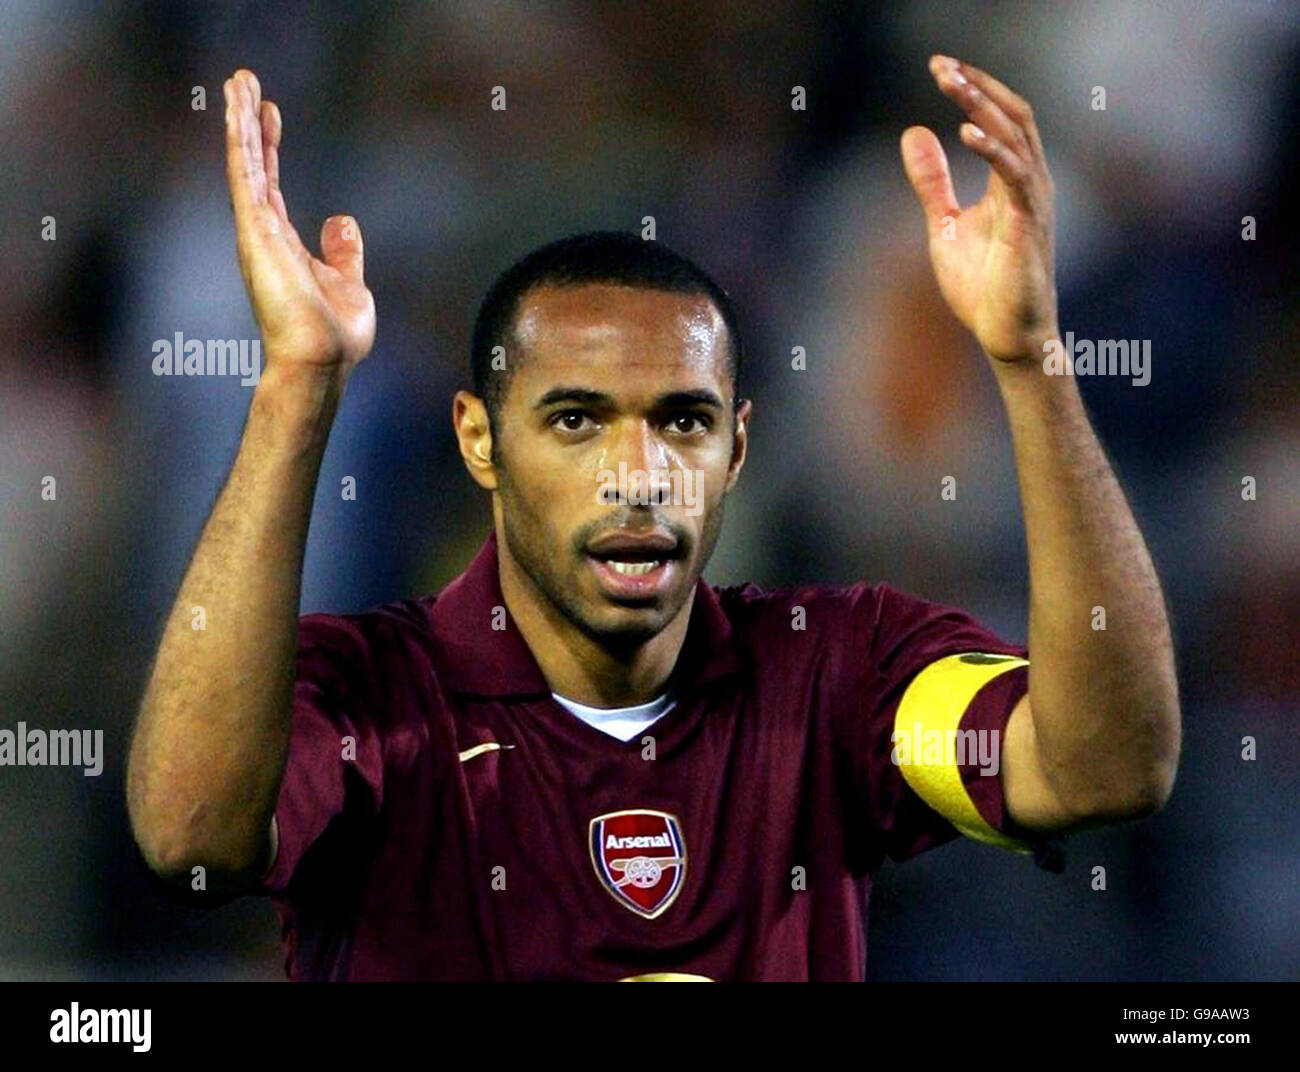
(479, 749)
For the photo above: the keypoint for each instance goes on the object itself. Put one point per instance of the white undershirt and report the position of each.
(621, 722)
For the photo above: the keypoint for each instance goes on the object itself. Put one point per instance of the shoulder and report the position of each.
(817, 610)
(802, 629)
(372, 644)
(373, 671)
(399, 620)
(863, 624)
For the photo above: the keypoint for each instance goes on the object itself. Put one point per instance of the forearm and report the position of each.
(212, 737)
(1104, 699)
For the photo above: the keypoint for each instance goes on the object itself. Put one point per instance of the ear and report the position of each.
(739, 443)
(469, 417)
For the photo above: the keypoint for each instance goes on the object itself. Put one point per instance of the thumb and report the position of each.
(341, 247)
(927, 171)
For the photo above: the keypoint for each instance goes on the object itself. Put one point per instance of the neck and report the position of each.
(574, 664)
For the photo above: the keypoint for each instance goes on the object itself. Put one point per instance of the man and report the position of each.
(581, 761)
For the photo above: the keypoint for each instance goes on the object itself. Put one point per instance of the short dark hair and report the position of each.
(616, 257)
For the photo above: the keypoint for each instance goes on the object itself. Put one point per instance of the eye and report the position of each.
(571, 420)
(689, 423)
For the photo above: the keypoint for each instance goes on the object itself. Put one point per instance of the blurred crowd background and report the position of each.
(680, 111)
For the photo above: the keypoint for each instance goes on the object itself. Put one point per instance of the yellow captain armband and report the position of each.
(928, 748)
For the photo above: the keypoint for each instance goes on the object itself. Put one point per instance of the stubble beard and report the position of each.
(529, 541)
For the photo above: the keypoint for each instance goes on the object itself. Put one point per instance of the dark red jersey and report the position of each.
(443, 817)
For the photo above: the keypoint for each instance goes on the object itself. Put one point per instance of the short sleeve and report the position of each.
(335, 762)
(923, 724)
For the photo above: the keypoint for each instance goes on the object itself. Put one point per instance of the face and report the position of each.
(617, 444)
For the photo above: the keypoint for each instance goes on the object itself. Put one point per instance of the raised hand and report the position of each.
(311, 311)
(994, 261)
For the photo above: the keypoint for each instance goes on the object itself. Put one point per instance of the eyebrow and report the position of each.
(671, 400)
(573, 394)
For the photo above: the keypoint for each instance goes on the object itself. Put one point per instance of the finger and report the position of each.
(341, 247)
(241, 173)
(927, 171)
(1011, 103)
(269, 116)
(272, 129)
(1009, 166)
(250, 140)
(979, 107)
(251, 92)
(254, 87)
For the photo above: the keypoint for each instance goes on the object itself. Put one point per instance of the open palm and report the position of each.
(993, 260)
(311, 311)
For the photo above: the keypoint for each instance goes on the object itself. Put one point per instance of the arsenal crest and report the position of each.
(640, 857)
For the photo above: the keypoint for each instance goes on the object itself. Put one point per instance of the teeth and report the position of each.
(632, 569)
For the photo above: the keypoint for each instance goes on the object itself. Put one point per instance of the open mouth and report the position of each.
(633, 562)
(630, 569)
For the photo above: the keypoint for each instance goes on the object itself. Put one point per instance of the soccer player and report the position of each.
(580, 760)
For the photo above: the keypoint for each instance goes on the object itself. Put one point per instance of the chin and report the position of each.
(627, 625)
(617, 625)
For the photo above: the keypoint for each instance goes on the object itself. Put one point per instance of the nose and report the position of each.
(646, 456)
